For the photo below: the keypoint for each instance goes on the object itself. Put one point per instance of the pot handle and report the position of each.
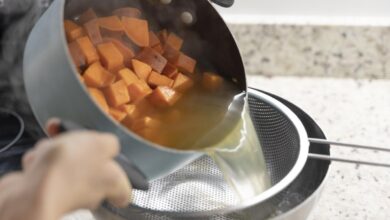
(224, 3)
(137, 178)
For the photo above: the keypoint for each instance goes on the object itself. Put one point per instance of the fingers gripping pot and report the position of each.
(54, 90)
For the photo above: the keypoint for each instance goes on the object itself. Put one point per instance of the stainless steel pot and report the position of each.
(54, 91)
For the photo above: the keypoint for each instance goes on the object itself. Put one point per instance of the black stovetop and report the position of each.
(16, 20)
(14, 142)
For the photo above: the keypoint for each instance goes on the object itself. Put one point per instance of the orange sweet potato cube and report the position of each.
(158, 48)
(156, 79)
(170, 71)
(145, 122)
(118, 115)
(111, 57)
(93, 31)
(117, 94)
(185, 63)
(164, 96)
(138, 91)
(136, 30)
(72, 30)
(163, 35)
(105, 33)
(127, 52)
(99, 98)
(142, 70)
(77, 55)
(87, 16)
(182, 83)
(111, 23)
(128, 76)
(153, 39)
(127, 12)
(171, 54)
(211, 81)
(129, 109)
(88, 49)
(98, 77)
(153, 59)
(175, 41)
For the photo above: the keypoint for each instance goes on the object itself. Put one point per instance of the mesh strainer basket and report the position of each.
(199, 191)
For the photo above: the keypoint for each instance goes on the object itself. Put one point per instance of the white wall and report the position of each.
(310, 11)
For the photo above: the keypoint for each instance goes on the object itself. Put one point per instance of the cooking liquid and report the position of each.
(240, 158)
(235, 148)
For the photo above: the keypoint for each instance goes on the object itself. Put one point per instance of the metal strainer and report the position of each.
(199, 189)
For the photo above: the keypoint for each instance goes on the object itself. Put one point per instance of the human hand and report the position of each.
(72, 171)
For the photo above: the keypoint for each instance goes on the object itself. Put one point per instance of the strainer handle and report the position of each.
(335, 143)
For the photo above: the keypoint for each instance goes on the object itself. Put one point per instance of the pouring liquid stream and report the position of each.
(240, 159)
(219, 126)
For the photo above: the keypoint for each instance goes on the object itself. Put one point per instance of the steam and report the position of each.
(19, 18)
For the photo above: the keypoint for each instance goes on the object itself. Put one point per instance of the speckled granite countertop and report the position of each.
(356, 111)
(347, 110)
(336, 51)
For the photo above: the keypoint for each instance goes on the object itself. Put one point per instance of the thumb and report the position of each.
(53, 127)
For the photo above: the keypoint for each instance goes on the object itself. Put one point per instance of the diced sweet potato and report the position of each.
(138, 91)
(111, 34)
(117, 114)
(127, 53)
(170, 53)
(142, 70)
(152, 58)
(87, 16)
(112, 23)
(128, 76)
(185, 63)
(127, 12)
(88, 50)
(163, 35)
(99, 98)
(117, 94)
(111, 57)
(97, 76)
(158, 48)
(170, 71)
(72, 30)
(164, 96)
(77, 55)
(129, 109)
(182, 83)
(146, 122)
(93, 31)
(136, 30)
(175, 41)
(211, 81)
(153, 39)
(156, 79)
